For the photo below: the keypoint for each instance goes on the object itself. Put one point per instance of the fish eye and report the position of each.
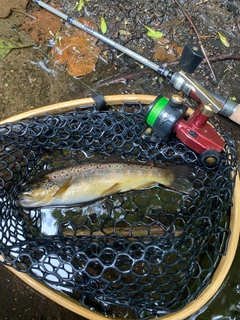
(28, 189)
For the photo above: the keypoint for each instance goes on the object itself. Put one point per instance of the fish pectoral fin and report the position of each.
(147, 185)
(63, 188)
(112, 189)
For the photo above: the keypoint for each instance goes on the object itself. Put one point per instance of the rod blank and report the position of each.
(134, 55)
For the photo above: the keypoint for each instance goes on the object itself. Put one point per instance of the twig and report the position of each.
(25, 13)
(227, 56)
(223, 57)
(201, 2)
(158, 223)
(124, 77)
(206, 37)
(129, 233)
(131, 75)
(199, 39)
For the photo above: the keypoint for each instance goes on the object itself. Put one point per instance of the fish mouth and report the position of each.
(23, 196)
(25, 204)
(26, 201)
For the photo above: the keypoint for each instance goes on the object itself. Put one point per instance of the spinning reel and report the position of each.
(169, 116)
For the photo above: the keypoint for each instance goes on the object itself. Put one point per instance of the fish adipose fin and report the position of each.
(113, 189)
(63, 188)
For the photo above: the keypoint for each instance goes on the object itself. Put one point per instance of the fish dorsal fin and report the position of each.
(112, 189)
(63, 188)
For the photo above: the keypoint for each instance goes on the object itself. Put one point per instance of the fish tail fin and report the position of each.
(181, 178)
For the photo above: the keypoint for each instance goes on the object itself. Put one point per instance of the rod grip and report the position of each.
(236, 115)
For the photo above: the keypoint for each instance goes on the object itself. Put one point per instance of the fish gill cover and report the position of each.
(136, 254)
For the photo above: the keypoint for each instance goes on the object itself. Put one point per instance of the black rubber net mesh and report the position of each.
(138, 254)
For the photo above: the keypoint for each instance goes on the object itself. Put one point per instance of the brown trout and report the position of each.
(91, 181)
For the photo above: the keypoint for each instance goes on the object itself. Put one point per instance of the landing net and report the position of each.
(138, 254)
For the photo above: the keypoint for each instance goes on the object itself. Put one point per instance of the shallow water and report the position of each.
(28, 80)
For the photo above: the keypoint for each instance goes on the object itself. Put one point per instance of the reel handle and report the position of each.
(191, 58)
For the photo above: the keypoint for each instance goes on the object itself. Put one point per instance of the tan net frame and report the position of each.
(221, 270)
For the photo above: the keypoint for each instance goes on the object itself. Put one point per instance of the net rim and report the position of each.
(220, 272)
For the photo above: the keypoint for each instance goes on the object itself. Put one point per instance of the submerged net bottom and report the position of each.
(137, 254)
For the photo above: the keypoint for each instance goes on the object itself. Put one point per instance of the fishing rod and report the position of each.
(180, 80)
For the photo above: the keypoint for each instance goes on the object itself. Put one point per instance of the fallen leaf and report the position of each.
(173, 23)
(168, 53)
(224, 40)
(163, 41)
(73, 47)
(41, 28)
(7, 44)
(6, 6)
(103, 25)
(123, 32)
(80, 4)
(78, 54)
(153, 34)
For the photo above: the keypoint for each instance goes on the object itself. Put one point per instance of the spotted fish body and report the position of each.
(87, 182)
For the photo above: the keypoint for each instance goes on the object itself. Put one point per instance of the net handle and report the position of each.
(218, 276)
